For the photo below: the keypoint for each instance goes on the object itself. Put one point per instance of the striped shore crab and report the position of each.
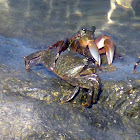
(75, 69)
(91, 47)
(85, 44)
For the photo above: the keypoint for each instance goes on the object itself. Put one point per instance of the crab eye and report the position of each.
(83, 31)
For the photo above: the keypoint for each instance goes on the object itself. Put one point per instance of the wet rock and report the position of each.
(30, 107)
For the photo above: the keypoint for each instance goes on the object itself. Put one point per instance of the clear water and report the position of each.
(30, 25)
(40, 23)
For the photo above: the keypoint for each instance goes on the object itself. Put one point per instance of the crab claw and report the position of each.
(106, 45)
(87, 42)
(94, 51)
(32, 60)
(109, 47)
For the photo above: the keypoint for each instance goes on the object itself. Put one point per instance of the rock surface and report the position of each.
(30, 105)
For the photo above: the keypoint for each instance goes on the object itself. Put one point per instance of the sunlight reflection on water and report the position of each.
(42, 23)
(53, 20)
(27, 26)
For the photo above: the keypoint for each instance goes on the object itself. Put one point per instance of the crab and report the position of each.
(85, 44)
(135, 66)
(75, 69)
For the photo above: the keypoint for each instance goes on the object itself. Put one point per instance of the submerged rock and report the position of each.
(30, 107)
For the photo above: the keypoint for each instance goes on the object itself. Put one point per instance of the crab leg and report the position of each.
(106, 45)
(93, 95)
(135, 66)
(32, 59)
(60, 46)
(71, 96)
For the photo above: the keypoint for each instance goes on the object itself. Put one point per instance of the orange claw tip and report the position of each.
(62, 102)
(86, 104)
(63, 99)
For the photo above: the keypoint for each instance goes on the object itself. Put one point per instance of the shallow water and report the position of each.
(29, 25)
(39, 24)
